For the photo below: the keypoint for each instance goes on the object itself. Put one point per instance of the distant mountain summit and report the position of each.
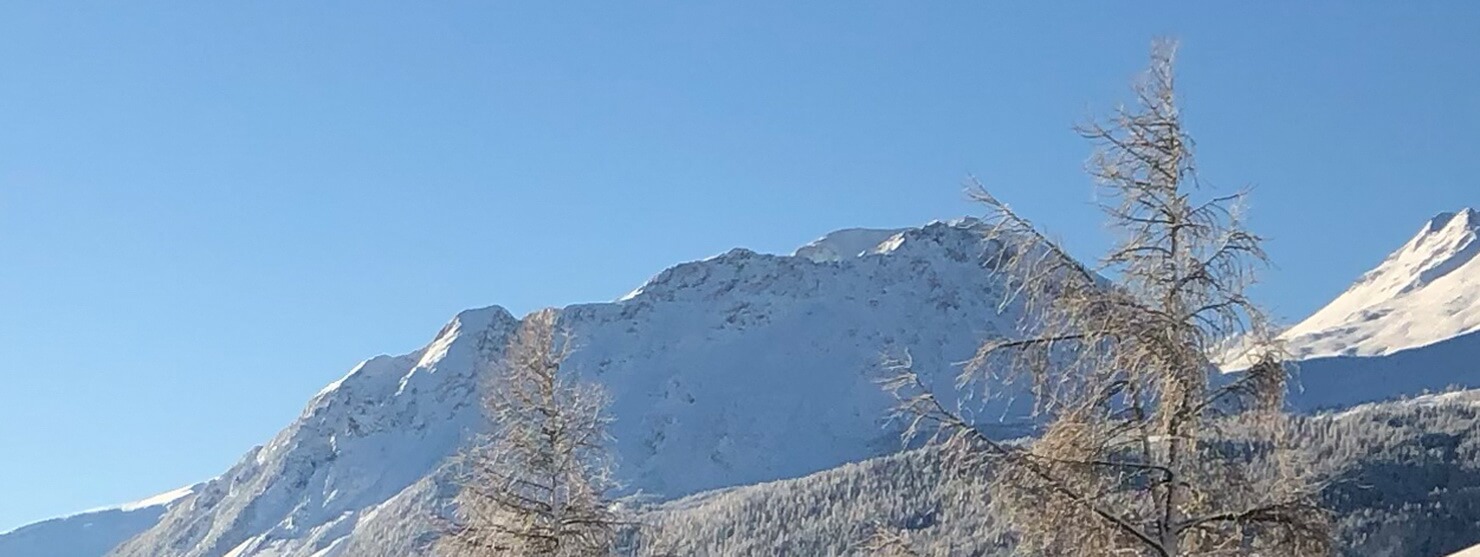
(845, 244)
(1425, 292)
(89, 533)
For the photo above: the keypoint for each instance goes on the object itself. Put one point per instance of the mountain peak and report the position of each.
(1425, 292)
(856, 242)
(1464, 219)
(1445, 233)
(1446, 243)
(845, 243)
(709, 367)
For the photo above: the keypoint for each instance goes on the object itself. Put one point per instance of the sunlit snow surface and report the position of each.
(1427, 291)
(155, 501)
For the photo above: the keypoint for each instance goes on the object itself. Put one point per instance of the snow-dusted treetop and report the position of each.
(1426, 292)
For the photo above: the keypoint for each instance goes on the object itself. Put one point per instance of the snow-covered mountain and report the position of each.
(1409, 326)
(89, 533)
(1427, 291)
(733, 370)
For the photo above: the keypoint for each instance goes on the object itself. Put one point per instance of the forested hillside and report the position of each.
(1403, 479)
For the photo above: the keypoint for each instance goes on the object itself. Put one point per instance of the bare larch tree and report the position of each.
(1146, 448)
(538, 484)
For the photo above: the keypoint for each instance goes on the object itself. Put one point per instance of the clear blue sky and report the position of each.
(208, 210)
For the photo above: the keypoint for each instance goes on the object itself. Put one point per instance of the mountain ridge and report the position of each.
(710, 364)
(694, 361)
(89, 533)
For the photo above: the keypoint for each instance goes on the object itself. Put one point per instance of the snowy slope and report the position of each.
(1409, 326)
(1426, 292)
(733, 370)
(90, 533)
(361, 440)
